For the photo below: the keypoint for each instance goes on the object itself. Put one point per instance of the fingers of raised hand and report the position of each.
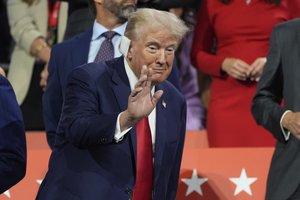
(144, 77)
(136, 91)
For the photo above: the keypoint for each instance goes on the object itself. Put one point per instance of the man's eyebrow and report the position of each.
(152, 43)
(171, 45)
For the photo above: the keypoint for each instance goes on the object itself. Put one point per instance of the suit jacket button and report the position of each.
(102, 140)
(128, 191)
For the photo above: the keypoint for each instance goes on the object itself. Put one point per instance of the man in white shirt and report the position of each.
(122, 127)
(110, 15)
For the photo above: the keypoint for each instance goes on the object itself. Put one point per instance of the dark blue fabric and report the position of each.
(12, 138)
(64, 58)
(86, 162)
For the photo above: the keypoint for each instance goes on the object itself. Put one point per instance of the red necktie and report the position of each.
(144, 172)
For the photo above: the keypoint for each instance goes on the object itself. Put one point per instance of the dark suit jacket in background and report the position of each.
(6, 42)
(80, 18)
(281, 80)
(64, 58)
(12, 138)
(86, 162)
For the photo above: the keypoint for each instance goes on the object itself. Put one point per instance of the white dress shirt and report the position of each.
(285, 133)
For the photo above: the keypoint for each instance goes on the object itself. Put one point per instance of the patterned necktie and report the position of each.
(144, 169)
(106, 51)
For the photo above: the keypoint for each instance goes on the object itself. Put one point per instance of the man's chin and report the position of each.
(158, 78)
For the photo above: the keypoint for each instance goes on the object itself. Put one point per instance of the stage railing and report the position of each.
(206, 173)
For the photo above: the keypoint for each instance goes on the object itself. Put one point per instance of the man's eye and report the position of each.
(170, 51)
(152, 49)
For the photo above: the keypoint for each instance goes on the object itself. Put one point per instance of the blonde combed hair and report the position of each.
(154, 20)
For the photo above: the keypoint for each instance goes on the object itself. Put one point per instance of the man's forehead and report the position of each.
(158, 37)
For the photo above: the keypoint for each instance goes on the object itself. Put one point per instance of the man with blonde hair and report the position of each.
(115, 140)
(100, 43)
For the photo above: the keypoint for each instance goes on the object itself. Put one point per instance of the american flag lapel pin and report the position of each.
(164, 104)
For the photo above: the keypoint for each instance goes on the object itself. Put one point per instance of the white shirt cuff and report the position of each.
(285, 133)
(118, 134)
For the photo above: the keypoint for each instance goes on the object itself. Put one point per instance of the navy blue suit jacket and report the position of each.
(86, 162)
(64, 58)
(12, 138)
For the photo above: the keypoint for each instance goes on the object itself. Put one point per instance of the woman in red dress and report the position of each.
(240, 31)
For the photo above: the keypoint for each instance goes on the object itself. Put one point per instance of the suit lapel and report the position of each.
(161, 133)
(121, 88)
(121, 85)
(80, 48)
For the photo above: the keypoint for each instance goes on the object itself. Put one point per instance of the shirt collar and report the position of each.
(131, 76)
(98, 29)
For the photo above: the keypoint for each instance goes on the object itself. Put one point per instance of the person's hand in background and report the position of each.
(44, 77)
(41, 51)
(2, 72)
(257, 68)
(236, 68)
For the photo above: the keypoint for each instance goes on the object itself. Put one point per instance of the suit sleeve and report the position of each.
(266, 106)
(83, 122)
(22, 26)
(12, 138)
(203, 44)
(174, 177)
(52, 99)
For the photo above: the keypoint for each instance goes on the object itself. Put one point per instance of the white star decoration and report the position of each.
(243, 183)
(194, 183)
(7, 193)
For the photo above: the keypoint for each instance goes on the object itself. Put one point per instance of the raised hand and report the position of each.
(140, 101)
(236, 68)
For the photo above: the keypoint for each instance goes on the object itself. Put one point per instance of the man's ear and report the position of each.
(130, 53)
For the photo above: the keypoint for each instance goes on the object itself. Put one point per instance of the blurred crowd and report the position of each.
(219, 61)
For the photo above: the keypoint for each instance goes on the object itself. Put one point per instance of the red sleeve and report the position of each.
(201, 56)
(294, 8)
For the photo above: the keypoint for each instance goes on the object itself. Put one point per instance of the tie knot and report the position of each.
(109, 34)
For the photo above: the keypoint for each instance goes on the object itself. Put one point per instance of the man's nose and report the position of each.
(161, 57)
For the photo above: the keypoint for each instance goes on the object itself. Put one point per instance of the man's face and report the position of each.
(156, 51)
(121, 8)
